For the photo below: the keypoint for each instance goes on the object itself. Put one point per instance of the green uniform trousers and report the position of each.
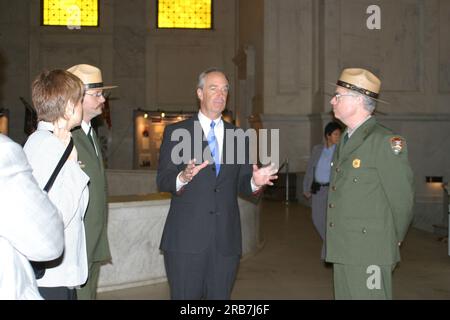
(89, 290)
(356, 282)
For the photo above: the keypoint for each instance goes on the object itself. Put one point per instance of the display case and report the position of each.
(148, 133)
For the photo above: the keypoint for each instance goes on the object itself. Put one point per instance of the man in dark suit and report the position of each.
(202, 236)
(371, 193)
(91, 161)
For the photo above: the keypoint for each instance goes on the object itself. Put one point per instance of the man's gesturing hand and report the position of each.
(264, 175)
(191, 170)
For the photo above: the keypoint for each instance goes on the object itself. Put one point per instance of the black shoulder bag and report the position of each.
(314, 185)
(39, 266)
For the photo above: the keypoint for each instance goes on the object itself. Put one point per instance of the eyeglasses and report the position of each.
(215, 89)
(97, 94)
(339, 95)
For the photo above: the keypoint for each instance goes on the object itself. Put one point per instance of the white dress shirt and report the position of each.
(86, 126)
(70, 195)
(219, 130)
(31, 227)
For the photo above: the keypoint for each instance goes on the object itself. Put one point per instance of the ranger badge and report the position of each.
(396, 145)
(356, 163)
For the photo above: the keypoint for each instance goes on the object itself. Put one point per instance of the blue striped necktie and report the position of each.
(214, 147)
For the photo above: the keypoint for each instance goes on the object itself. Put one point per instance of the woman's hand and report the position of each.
(64, 135)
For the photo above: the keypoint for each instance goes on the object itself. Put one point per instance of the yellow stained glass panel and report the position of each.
(188, 14)
(70, 13)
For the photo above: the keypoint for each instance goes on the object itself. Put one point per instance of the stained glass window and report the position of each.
(185, 14)
(70, 13)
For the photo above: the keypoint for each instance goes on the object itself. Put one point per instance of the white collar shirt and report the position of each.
(205, 122)
(86, 127)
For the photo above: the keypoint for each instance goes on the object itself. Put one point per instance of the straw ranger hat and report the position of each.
(361, 81)
(91, 76)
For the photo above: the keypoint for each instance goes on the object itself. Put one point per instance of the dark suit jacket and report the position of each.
(95, 220)
(207, 207)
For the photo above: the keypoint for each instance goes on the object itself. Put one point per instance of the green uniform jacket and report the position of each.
(95, 220)
(370, 198)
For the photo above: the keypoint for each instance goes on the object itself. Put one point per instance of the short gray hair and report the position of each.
(202, 76)
(368, 103)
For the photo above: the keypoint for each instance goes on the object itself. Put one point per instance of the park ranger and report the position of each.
(371, 193)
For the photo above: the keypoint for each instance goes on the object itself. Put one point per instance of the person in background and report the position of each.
(317, 178)
(91, 159)
(371, 193)
(30, 225)
(57, 97)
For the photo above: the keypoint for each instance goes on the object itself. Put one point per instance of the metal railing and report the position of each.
(286, 164)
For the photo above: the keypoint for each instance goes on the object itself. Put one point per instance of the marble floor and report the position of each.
(288, 266)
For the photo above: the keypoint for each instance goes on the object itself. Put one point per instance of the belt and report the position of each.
(323, 184)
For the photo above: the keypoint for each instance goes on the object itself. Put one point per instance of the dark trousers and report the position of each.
(208, 275)
(58, 293)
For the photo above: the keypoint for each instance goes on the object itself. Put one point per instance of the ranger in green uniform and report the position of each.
(91, 161)
(371, 193)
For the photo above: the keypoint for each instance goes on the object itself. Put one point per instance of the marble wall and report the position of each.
(428, 141)
(308, 43)
(134, 231)
(131, 182)
(290, 59)
(135, 227)
(249, 60)
(137, 214)
(154, 68)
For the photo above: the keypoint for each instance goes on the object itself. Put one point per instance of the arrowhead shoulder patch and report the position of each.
(397, 144)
